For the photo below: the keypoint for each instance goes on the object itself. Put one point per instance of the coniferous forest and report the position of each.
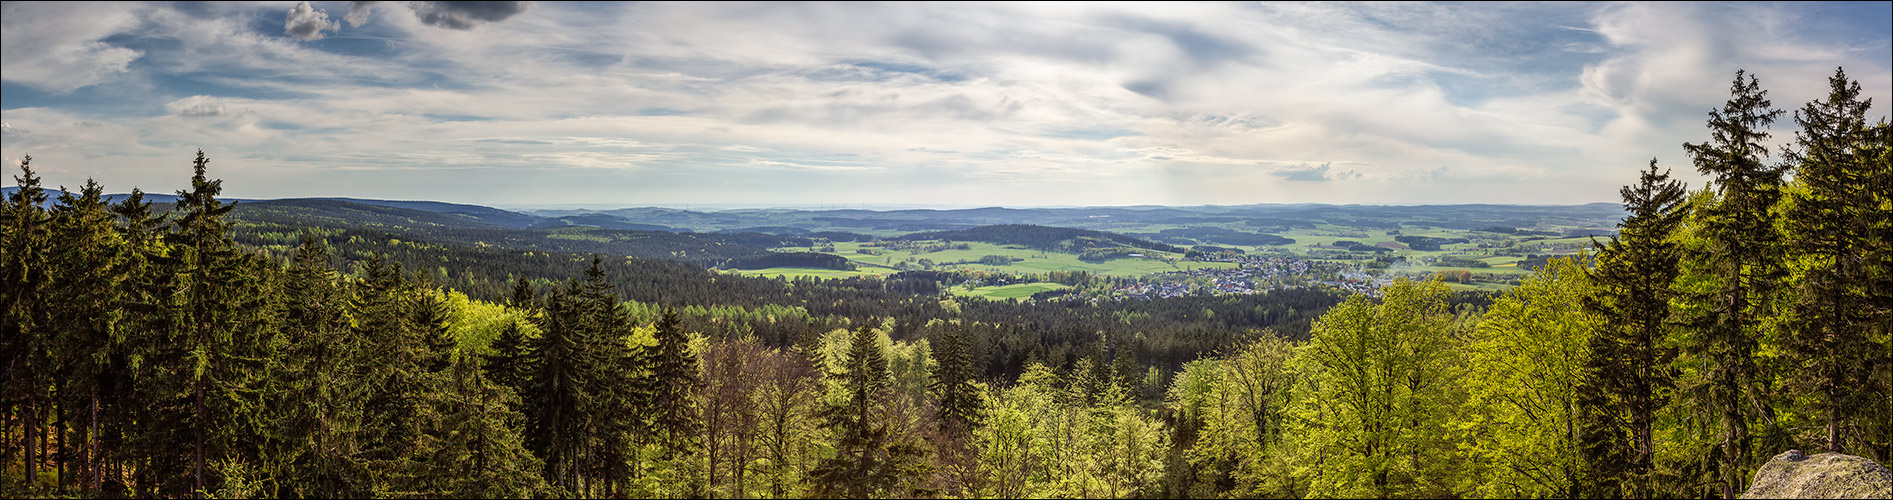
(158, 351)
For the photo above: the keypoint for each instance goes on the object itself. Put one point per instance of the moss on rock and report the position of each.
(1827, 475)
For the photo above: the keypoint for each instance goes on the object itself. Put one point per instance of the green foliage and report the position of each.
(1830, 221)
(1629, 374)
(154, 355)
(1237, 408)
(1379, 384)
(1522, 414)
(1743, 253)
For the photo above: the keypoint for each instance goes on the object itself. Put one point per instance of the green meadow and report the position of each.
(1019, 291)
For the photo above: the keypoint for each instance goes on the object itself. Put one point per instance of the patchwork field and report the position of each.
(1028, 261)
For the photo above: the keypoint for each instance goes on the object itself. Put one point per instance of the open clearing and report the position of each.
(1019, 291)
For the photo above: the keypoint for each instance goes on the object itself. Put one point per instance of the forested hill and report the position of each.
(280, 222)
(483, 214)
(1043, 237)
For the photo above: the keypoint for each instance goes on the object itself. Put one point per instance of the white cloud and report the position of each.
(1084, 104)
(60, 46)
(307, 23)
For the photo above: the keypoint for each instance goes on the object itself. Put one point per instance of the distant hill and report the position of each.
(487, 215)
(607, 221)
(275, 222)
(1043, 237)
(345, 212)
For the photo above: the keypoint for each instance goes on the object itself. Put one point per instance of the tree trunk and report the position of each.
(95, 466)
(197, 453)
(29, 425)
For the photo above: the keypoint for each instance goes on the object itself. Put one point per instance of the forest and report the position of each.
(181, 351)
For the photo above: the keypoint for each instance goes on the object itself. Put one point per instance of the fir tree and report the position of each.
(1628, 375)
(25, 336)
(958, 400)
(558, 385)
(1830, 338)
(506, 366)
(1743, 255)
(676, 386)
(85, 294)
(208, 268)
(431, 317)
(869, 461)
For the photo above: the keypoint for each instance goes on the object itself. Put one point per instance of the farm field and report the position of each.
(1031, 261)
(823, 273)
(1018, 291)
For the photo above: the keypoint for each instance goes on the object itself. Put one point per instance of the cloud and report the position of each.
(1321, 173)
(918, 103)
(61, 47)
(203, 110)
(307, 23)
(358, 12)
(465, 15)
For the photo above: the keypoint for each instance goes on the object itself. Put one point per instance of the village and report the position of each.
(1254, 274)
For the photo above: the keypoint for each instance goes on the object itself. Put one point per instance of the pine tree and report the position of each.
(506, 366)
(617, 389)
(1877, 421)
(677, 382)
(958, 399)
(84, 296)
(1743, 255)
(27, 339)
(558, 385)
(478, 452)
(1629, 375)
(430, 318)
(392, 361)
(151, 447)
(1830, 337)
(209, 273)
(318, 382)
(869, 461)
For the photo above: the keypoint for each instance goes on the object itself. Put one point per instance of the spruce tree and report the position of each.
(958, 400)
(315, 415)
(676, 387)
(1830, 337)
(1743, 255)
(558, 385)
(208, 268)
(869, 460)
(84, 298)
(151, 447)
(506, 366)
(431, 317)
(26, 335)
(1629, 375)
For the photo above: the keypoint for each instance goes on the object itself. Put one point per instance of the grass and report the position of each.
(1032, 261)
(818, 272)
(1019, 291)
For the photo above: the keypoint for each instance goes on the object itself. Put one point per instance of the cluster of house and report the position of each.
(1354, 283)
(1254, 274)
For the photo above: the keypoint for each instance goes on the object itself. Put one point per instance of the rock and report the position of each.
(1827, 475)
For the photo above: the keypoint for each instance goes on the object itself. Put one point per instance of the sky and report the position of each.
(905, 104)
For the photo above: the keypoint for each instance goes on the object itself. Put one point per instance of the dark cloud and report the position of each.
(465, 15)
(204, 110)
(307, 23)
(358, 12)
